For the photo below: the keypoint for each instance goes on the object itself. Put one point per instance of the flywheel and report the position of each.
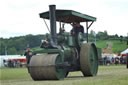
(89, 59)
(43, 67)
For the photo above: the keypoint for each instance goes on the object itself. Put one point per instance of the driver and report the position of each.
(77, 28)
(75, 31)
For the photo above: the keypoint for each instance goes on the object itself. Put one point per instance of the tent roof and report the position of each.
(125, 51)
(69, 16)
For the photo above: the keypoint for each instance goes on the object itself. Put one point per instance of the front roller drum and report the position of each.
(89, 59)
(43, 67)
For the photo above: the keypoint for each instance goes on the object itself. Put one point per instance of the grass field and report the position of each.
(107, 75)
(117, 46)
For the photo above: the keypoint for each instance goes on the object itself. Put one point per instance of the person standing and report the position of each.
(28, 55)
(105, 60)
(77, 28)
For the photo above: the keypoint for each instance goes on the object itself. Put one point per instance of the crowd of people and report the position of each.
(116, 60)
(12, 63)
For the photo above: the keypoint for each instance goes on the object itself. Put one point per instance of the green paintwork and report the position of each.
(69, 16)
(93, 59)
(50, 51)
(59, 71)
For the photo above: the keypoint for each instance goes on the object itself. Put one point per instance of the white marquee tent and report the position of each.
(6, 57)
(125, 51)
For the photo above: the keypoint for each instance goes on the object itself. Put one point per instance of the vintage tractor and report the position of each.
(62, 52)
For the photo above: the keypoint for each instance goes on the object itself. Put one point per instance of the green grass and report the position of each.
(13, 73)
(107, 75)
(117, 46)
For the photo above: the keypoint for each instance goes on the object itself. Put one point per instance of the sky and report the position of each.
(21, 17)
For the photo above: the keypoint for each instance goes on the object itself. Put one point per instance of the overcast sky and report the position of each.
(21, 17)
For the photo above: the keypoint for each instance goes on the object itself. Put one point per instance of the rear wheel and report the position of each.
(89, 59)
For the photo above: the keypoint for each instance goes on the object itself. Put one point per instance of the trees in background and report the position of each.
(17, 45)
(99, 36)
(104, 36)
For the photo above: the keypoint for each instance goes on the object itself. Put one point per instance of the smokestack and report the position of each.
(52, 17)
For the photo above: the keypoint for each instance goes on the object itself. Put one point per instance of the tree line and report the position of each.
(105, 36)
(17, 45)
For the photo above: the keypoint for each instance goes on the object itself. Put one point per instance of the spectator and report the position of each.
(28, 55)
(121, 60)
(105, 60)
(116, 60)
(112, 60)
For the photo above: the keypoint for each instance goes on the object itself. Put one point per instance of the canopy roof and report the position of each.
(125, 51)
(69, 16)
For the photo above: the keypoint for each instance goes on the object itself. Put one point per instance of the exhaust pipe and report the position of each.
(52, 17)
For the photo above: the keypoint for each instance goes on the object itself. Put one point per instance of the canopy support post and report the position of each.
(87, 27)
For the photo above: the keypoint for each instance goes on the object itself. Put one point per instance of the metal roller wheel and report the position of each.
(89, 59)
(43, 67)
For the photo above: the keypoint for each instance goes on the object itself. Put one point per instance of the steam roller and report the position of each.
(64, 52)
